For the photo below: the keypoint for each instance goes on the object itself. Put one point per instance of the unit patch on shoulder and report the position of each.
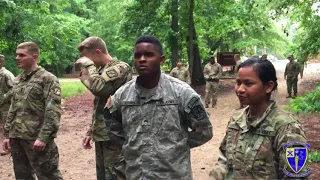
(111, 73)
(57, 91)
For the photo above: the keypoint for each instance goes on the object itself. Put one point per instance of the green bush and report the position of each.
(69, 89)
(310, 102)
(314, 156)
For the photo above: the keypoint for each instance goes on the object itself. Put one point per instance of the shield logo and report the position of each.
(296, 158)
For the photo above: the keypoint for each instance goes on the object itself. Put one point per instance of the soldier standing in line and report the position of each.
(180, 73)
(102, 75)
(33, 119)
(291, 75)
(212, 73)
(6, 83)
(158, 118)
(253, 147)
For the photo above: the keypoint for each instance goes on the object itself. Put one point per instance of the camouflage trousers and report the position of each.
(211, 92)
(27, 163)
(292, 83)
(110, 164)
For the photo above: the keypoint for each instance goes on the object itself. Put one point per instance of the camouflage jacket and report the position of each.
(212, 71)
(237, 66)
(35, 109)
(292, 69)
(6, 83)
(159, 127)
(254, 149)
(103, 82)
(181, 73)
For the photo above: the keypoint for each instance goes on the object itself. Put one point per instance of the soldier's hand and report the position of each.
(39, 145)
(6, 145)
(81, 61)
(86, 143)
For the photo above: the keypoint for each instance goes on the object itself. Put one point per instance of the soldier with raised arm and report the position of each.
(102, 75)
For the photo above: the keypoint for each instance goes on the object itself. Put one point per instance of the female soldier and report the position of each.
(253, 147)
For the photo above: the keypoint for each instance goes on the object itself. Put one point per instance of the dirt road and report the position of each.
(79, 164)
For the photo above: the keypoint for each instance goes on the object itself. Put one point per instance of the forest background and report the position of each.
(190, 30)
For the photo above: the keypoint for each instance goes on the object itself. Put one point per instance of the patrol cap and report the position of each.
(2, 56)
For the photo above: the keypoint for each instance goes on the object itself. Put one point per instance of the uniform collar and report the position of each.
(156, 93)
(241, 120)
(28, 75)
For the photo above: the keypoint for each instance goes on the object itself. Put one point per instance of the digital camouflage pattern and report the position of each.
(6, 83)
(181, 73)
(291, 73)
(34, 113)
(212, 74)
(35, 108)
(253, 149)
(27, 161)
(103, 82)
(158, 128)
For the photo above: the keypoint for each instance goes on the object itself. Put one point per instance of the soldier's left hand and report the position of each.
(39, 145)
(81, 61)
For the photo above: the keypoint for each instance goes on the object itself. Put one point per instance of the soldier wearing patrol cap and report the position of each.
(212, 73)
(33, 118)
(102, 75)
(291, 76)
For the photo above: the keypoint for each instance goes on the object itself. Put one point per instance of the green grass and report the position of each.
(69, 89)
(314, 156)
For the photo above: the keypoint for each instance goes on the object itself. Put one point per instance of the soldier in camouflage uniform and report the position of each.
(181, 73)
(291, 75)
(33, 119)
(253, 147)
(102, 75)
(6, 83)
(237, 60)
(212, 73)
(159, 118)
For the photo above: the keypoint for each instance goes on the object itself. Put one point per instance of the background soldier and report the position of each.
(159, 118)
(181, 73)
(291, 75)
(6, 83)
(102, 75)
(33, 119)
(212, 73)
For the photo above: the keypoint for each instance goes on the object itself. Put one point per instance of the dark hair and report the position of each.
(152, 40)
(264, 68)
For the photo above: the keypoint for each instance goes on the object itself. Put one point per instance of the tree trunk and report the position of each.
(195, 67)
(174, 34)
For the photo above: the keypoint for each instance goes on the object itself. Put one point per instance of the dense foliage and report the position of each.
(309, 102)
(190, 30)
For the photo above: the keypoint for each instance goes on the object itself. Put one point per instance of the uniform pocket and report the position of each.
(34, 92)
